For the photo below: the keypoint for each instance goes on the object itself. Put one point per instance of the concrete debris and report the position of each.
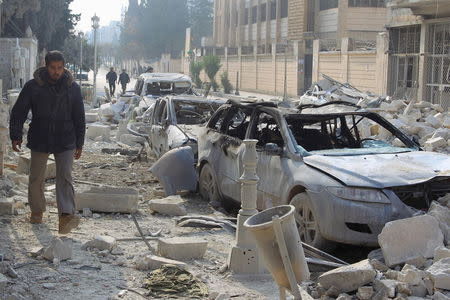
(388, 286)
(445, 201)
(87, 213)
(442, 215)
(24, 164)
(435, 143)
(411, 238)
(172, 206)
(7, 206)
(101, 242)
(91, 117)
(36, 251)
(3, 282)
(98, 130)
(182, 248)
(349, 278)
(59, 249)
(344, 296)
(440, 296)
(151, 262)
(365, 293)
(440, 273)
(132, 140)
(378, 265)
(7, 269)
(410, 275)
(440, 253)
(108, 199)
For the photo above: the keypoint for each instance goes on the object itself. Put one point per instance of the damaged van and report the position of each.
(325, 160)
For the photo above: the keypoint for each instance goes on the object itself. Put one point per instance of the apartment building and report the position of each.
(419, 50)
(264, 27)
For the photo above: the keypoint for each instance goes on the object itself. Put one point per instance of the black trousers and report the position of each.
(124, 87)
(112, 88)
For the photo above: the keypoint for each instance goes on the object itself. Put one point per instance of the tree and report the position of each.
(71, 51)
(195, 68)
(200, 19)
(226, 84)
(211, 64)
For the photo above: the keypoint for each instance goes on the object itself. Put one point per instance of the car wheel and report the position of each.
(307, 223)
(208, 186)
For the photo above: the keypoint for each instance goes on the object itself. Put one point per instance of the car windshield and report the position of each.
(167, 88)
(342, 134)
(194, 112)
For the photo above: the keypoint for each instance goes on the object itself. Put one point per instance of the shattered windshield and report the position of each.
(343, 135)
(167, 88)
(193, 112)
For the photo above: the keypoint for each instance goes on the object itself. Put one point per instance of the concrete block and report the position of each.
(95, 130)
(440, 273)
(23, 166)
(101, 242)
(172, 206)
(437, 107)
(132, 140)
(442, 215)
(442, 133)
(435, 143)
(182, 248)
(151, 262)
(422, 104)
(389, 286)
(6, 206)
(349, 278)
(91, 117)
(440, 253)
(406, 239)
(58, 249)
(365, 293)
(446, 122)
(436, 123)
(107, 199)
(411, 276)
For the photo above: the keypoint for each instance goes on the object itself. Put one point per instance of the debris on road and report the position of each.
(172, 206)
(108, 199)
(182, 248)
(58, 249)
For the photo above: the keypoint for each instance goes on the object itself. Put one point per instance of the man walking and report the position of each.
(124, 79)
(57, 126)
(111, 77)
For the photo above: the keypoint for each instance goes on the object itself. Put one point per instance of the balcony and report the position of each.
(432, 8)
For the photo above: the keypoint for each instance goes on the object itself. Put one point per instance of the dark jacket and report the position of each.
(58, 122)
(124, 78)
(111, 77)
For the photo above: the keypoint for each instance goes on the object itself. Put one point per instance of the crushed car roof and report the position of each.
(172, 77)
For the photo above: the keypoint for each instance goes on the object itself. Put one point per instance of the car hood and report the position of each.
(383, 170)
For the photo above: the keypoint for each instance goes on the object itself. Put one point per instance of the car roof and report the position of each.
(172, 77)
(198, 99)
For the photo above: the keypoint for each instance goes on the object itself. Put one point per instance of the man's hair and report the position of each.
(54, 56)
(112, 69)
(123, 70)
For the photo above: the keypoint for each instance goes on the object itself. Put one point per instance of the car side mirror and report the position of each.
(272, 149)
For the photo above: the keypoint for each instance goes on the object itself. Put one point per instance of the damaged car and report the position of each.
(326, 161)
(177, 120)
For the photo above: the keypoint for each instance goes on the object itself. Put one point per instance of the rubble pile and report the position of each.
(426, 123)
(413, 262)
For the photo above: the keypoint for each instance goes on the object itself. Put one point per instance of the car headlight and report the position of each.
(358, 194)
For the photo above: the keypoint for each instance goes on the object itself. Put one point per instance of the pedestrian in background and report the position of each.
(111, 77)
(124, 79)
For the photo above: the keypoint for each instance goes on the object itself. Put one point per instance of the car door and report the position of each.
(158, 134)
(266, 129)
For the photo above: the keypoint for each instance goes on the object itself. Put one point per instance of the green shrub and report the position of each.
(226, 84)
(211, 65)
(195, 69)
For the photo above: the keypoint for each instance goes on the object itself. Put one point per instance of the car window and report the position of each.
(193, 112)
(160, 113)
(217, 120)
(267, 131)
(237, 121)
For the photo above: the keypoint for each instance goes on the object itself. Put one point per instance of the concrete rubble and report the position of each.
(101, 242)
(151, 262)
(182, 248)
(58, 249)
(108, 199)
(172, 206)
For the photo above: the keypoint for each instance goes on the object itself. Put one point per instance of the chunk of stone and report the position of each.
(101, 242)
(444, 201)
(132, 140)
(91, 117)
(6, 206)
(151, 262)
(435, 143)
(442, 215)
(95, 130)
(172, 206)
(446, 122)
(344, 296)
(182, 248)
(436, 123)
(418, 290)
(87, 213)
(365, 292)
(62, 250)
(441, 132)
(440, 253)
(36, 251)
(378, 265)
(24, 164)
(440, 296)
(3, 282)
(387, 285)
(349, 278)
(107, 199)
(440, 273)
(410, 276)
(407, 239)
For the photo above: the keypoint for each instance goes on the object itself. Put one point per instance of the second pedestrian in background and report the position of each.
(124, 79)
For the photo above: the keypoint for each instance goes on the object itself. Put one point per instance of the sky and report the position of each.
(106, 10)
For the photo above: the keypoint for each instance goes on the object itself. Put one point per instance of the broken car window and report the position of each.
(237, 122)
(167, 88)
(267, 131)
(217, 120)
(160, 113)
(193, 113)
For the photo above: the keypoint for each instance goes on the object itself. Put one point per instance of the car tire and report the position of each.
(307, 222)
(208, 187)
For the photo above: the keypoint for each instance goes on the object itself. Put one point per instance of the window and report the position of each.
(217, 120)
(328, 4)
(193, 112)
(237, 121)
(284, 8)
(263, 9)
(267, 132)
(366, 3)
(160, 112)
(246, 16)
(273, 10)
(254, 14)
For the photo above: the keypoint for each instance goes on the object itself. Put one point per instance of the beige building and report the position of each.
(261, 29)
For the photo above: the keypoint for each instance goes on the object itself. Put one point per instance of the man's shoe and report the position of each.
(67, 223)
(36, 218)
